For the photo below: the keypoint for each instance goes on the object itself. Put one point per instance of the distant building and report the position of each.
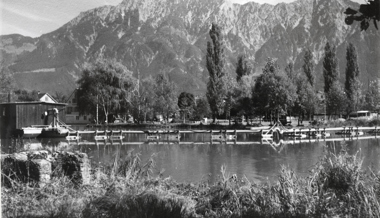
(46, 97)
(72, 111)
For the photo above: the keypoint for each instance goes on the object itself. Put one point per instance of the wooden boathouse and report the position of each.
(15, 115)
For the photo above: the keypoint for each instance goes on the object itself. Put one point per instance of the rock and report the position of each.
(38, 167)
(43, 171)
(38, 155)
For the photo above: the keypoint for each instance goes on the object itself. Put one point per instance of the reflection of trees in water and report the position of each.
(194, 161)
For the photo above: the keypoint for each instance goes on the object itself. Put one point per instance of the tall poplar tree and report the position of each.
(352, 84)
(242, 67)
(308, 67)
(215, 61)
(330, 67)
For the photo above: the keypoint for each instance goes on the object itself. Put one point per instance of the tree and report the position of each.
(186, 103)
(7, 84)
(273, 90)
(215, 61)
(366, 13)
(352, 84)
(106, 84)
(202, 108)
(60, 97)
(289, 70)
(308, 67)
(330, 67)
(24, 95)
(372, 97)
(306, 97)
(143, 99)
(240, 98)
(166, 96)
(242, 67)
(336, 100)
(242, 95)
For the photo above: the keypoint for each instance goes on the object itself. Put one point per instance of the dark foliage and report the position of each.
(24, 95)
(366, 13)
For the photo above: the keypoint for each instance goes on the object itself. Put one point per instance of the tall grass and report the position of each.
(336, 187)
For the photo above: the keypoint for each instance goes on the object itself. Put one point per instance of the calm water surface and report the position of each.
(195, 157)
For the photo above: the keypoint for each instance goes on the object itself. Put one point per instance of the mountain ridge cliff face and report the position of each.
(170, 36)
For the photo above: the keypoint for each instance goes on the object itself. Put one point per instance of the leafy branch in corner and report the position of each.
(366, 13)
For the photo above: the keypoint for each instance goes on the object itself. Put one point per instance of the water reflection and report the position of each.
(196, 157)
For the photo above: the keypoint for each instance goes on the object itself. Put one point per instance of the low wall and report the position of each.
(38, 167)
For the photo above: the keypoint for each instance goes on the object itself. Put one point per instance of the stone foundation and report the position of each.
(38, 167)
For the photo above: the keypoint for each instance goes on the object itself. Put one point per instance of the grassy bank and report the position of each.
(338, 123)
(181, 126)
(337, 186)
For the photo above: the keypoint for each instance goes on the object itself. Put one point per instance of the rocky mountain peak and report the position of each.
(170, 36)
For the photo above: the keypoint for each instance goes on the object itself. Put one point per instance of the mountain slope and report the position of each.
(170, 36)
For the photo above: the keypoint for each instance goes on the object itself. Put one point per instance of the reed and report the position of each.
(336, 187)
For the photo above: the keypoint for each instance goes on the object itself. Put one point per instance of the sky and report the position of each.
(36, 17)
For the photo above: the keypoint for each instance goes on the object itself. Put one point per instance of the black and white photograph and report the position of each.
(189, 108)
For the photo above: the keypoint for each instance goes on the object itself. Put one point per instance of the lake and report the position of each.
(195, 157)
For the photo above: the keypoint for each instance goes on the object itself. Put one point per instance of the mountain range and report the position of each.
(170, 36)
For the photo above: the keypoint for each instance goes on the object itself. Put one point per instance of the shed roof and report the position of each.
(33, 102)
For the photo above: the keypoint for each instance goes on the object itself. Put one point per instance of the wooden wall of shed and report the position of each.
(30, 114)
(7, 120)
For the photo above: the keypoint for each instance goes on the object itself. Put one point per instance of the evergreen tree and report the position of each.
(308, 67)
(330, 67)
(352, 84)
(215, 61)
